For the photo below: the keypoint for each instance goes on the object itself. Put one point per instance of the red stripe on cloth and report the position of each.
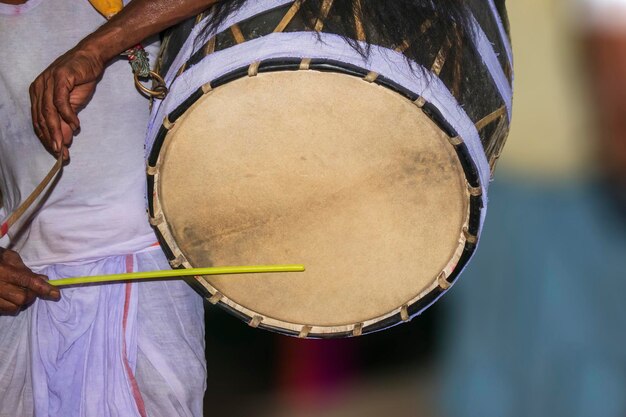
(141, 407)
(4, 229)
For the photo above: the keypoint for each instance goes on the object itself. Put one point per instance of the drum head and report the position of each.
(347, 177)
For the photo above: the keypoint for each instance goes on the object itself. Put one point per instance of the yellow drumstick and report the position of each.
(135, 276)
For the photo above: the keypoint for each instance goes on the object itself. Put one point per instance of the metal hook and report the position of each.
(160, 91)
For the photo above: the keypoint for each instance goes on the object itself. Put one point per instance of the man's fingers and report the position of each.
(45, 137)
(19, 286)
(39, 123)
(43, 289)
(51, 292)
(37, 284)
(51, 115)
(7, 307)
(18, 296)
(11, 258)
(62, 88)
(66, 154)
(68, 138)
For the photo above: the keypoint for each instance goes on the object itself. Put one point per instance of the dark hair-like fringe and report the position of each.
(388, 23)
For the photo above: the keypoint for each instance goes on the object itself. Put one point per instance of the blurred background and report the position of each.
(536, 326)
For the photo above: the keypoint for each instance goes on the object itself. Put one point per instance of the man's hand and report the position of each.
(19, 286)
(67, 85)
(59, 93)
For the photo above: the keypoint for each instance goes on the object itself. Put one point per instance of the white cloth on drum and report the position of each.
(503, 34)
(490, 59)
(114, 350)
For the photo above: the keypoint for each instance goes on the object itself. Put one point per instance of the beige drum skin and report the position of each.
(325, 169)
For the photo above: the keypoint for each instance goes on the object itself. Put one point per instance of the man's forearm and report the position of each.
(139, 20)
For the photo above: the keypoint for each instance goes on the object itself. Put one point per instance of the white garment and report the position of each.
(120, 350)
(114, 350)
(97, 208)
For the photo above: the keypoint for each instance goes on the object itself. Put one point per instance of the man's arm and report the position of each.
(58, 94)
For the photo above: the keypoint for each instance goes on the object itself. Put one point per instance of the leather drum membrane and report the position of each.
(347, 177)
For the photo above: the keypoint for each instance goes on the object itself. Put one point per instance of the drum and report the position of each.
(297, 132)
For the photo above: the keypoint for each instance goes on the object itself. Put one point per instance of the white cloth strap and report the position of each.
(503, 35)
(490, 59)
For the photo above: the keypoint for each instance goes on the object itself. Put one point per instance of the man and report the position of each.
(116, 350)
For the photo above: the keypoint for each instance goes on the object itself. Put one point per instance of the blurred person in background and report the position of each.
(604, 37)
(536, 325)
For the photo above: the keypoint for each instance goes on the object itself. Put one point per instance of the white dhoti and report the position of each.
(113, 350)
